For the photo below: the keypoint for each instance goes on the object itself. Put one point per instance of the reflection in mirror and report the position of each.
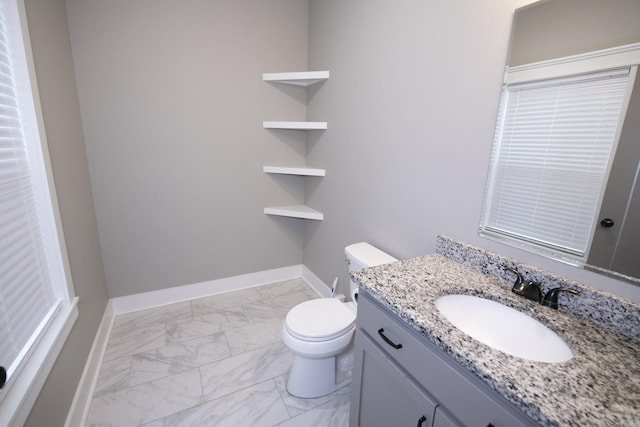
(557, 47)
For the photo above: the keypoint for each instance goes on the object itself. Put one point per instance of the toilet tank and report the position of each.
(363, 255)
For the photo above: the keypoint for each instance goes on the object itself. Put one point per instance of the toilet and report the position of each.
(320, 331)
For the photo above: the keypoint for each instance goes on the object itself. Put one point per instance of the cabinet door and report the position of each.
(385, 395)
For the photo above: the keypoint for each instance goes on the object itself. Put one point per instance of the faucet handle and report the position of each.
(529, 289)
(551, 298)
(519, 286)
(532, 291)
(519, 279)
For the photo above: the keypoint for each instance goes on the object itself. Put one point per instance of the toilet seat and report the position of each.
(319, 320)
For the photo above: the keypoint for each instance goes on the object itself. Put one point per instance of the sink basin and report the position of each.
(504, 328)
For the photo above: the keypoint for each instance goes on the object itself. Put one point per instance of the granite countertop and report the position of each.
(600, 385)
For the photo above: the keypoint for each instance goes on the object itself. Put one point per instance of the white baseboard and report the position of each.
(82, 400)
(176, 294)
(316, 284)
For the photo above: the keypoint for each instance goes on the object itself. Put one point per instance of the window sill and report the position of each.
(17, 404)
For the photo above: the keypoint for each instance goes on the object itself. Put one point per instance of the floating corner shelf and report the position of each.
(294, 170)
(295, 125)
(304, 78)
(295, 211)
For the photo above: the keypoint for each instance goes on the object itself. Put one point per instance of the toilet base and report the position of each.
(310, 378)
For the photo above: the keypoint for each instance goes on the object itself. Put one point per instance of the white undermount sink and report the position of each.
(504, 328)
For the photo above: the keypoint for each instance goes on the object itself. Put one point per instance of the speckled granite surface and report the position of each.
(602, 307)
(600, 386)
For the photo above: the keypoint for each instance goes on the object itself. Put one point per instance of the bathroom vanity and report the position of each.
(405, 381)
(412, 367)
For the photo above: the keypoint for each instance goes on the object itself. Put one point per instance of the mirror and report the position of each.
(552, 29)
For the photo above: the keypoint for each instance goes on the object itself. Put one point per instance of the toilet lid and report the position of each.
(319, 319)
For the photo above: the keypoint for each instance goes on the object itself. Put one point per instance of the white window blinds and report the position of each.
(554, 140)
(27, 295)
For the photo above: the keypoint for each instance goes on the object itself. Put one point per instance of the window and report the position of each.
(37, 305)
(554, 144)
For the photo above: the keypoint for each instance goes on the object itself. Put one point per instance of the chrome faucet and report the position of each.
(528, 289)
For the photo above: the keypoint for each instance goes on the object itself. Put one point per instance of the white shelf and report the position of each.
(304, 78)
(295, 125)
(294, 170)
(294, 211)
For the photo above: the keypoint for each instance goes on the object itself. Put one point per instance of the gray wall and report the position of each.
(172, 103)
(54, 67)
(560, 28)
(411, 106)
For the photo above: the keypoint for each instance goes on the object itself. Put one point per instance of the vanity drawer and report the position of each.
(387, 332)
(462, 394)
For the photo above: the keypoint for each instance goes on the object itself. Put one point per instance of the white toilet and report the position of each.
(320, 330)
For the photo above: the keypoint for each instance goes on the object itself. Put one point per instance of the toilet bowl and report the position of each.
(321, 330)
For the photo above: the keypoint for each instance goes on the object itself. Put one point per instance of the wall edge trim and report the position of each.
(79, 409)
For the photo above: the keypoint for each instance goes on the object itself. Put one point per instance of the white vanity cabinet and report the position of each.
(401, 379)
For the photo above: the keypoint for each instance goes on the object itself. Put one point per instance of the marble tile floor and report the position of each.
(214, 361)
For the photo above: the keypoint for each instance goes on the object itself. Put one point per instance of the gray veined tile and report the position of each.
(288, 301)
(109, 425)
(176, 358)
(113, 376)
(124, 343)
(207, 324)
(223, 301)
(334, 413)
(141, 319)
(296, 406)
(156, 423)
(246, 369)
(255, 406)
(279, 289)
(184, 331)
(274, 308)
(148, 401)
(253, 336)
